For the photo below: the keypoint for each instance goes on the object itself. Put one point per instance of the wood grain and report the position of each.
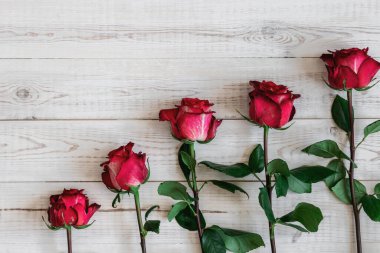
(117, 228)
(139, 88)
(169, 29)
(81, 77)
(73, 150)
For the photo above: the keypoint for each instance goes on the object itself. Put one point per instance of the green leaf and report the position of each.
(237, 170)
(371, 206)
(377, 190)
(256, 159)
(282, 185)
(325, 149)
(312, 174)
(297, 186)
(278, 166)
(338, 166)
(187, 219)
(212, 242)
(189, 161)
(340, 113)
(343, 193)
(228, 186)
(174, 190)
(265, 204)
(302, 229)
(372, 128)
(238, 241)
(152, 226)
(307, 214)
(178, 207)
(150, 210)
(185, 170)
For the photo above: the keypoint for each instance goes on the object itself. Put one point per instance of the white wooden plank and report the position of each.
(117, 28)
(73, 150)
(117, 229)
(138, 89)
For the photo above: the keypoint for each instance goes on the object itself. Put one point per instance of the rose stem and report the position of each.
(351, 173)
(196, 197)
(268, 180)
(139, 220)
(69, 241)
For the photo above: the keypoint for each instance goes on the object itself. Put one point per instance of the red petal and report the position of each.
(342, 74)
(367, 71)
(351, 58)
(81, 215)
(171, 115)
(73, 197)
(90, 212)
(264, 111)
(328, 59)
(212, 131)
(286, 112)
(69, 215)
(133, 171)
(112, 184)
(168, 115)
(195, 105)
(194, 127)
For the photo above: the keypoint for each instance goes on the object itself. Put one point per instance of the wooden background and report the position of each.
(81, 77)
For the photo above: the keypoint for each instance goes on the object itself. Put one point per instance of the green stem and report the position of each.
(269, 188)
(196, 197)
(139, 220)
(351, 173)
(69, 241)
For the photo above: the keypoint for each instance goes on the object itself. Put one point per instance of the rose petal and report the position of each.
(212, 130)
(328, 59)
(69, 215)
(194, 127)
(367, 71)
(171, 115)
(133, 171)
(339, 75)
(81, 215)
(264, 111)
(351, 58)
(112, 184)
(90, 212)
(286, 112)
(73, 197)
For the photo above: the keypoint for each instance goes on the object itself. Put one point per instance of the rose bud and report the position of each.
(124, 169)
(70, 208)
(350, 68)
(271, 104)
(193, 120)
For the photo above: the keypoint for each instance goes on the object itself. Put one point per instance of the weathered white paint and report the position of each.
(70, 69)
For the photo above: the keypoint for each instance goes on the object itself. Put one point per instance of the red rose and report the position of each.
(193, 120)
(71, 208)
(271, 104)
(124, 168)
(352, 66)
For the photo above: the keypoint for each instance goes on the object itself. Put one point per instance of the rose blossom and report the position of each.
(124, 168)
(71, 208)
(350, 68)
(271, 104)
(193, 120)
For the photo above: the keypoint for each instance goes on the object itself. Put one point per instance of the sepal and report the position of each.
(84, 226)
(50, 226)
